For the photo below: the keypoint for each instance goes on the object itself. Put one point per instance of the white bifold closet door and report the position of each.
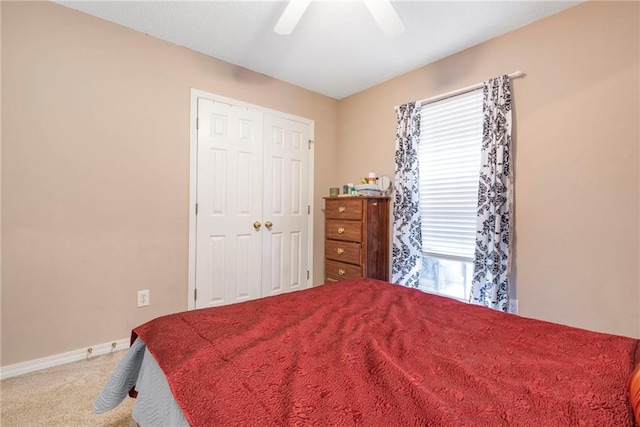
(285, 201)
(252, 195)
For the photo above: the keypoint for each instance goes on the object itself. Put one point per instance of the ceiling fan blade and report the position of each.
(386, 17)
(291, 16)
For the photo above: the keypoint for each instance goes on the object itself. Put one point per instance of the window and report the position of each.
(449, 157)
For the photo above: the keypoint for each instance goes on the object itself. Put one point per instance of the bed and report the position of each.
(367, 352)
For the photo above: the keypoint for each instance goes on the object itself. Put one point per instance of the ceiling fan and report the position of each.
(381, 10)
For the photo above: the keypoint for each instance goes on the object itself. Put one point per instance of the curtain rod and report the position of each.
(471, 88)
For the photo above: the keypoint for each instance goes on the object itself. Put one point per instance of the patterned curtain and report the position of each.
(407, 235)
(491, 269)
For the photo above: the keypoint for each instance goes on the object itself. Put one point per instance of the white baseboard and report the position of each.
(63, 358)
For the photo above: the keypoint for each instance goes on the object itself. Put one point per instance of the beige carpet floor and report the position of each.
(63, 396)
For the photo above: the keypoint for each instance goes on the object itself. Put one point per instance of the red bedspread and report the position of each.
(366, 352)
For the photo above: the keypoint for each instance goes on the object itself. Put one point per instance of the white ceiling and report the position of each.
(337, 49)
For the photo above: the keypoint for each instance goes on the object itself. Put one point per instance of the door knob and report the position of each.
(268, 224)
(257, 225)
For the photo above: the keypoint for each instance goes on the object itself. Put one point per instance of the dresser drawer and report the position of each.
(341, 271)
(343, 251)
(343, 208)
(356, 238)
(350, 231)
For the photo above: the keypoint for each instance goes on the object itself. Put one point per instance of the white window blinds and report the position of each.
(449, 156)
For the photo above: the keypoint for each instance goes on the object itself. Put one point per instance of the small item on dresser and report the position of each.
(334, 191)
(368, 190)
(372, 178)
(384, 184)
(345, 189)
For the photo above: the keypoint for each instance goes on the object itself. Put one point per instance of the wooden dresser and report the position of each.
(356, 238)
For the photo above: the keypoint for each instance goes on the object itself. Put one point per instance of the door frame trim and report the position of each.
(193, 179)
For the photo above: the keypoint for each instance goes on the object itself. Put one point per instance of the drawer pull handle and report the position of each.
(340, 230)
(340, 251)
(341, 209)
(341, 272)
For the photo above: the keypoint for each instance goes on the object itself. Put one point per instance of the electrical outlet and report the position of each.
(143, 298)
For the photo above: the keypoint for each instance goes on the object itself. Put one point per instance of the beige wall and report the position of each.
(0, 176)
(95, 173)
(576, 156)
(638, 125)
